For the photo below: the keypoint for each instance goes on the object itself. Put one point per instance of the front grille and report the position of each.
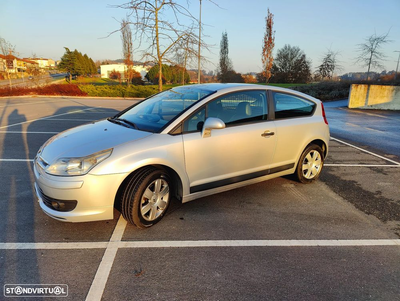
(58, 205)
(41, 162)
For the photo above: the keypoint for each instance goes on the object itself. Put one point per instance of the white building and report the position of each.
(43, 63)
(121, 68)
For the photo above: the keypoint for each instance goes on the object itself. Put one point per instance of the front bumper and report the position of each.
(94, 195)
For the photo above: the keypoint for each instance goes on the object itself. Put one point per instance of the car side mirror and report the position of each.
(211, 123)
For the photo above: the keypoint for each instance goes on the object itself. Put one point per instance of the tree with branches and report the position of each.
(370, 54)
(127, 50)
(329, 65)
(152, 26)
(268, 46)
(291, 66)
(185, 53)
(7, 49)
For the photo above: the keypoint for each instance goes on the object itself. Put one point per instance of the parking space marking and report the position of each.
(359, 165)
(100, 280)
(44, 118)
(365, 151)
(16, 160)
(29, 103)
(25, 132)
(112, 247)
(65, 119)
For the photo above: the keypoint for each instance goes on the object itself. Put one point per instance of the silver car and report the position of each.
(184, 143)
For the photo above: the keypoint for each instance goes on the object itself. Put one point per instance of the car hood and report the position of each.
(88, 139)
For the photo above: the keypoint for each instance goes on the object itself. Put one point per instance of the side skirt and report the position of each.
(202, 190)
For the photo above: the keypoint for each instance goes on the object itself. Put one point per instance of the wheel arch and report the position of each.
(321, 144)
(177, 183)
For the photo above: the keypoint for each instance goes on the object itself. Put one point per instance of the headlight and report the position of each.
(77, 166)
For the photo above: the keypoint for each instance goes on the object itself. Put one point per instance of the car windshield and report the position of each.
(156, 112)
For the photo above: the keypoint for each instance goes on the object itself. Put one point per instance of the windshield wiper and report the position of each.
(123, 122)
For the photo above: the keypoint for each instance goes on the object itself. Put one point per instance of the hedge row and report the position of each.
(119, 90)
(56, 89)
(326, 90)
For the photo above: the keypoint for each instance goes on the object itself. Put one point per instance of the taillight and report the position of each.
(323, 113)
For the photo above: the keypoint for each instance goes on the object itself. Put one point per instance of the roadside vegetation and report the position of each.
(51, 90)
(103, 87)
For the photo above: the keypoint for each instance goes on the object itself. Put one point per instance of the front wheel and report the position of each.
(310, 164)
(146, 197)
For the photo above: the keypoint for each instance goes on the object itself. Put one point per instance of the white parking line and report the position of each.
(16, 160)
(29, 103)
(112, 246)
(359, 165)
(25, 132)
(100, 280)
(365, 151)
(43, 118)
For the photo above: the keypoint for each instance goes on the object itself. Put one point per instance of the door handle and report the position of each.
(267, 134)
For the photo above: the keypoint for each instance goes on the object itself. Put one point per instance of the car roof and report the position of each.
(221, 88)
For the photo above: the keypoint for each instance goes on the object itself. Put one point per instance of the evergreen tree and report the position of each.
(68, 62)
(225, 65)
(75, 63)
(170, 74)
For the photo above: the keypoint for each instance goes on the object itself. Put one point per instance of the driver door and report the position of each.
(241, 151)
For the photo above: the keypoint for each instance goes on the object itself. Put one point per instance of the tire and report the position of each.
(146, 197)
(310, 164)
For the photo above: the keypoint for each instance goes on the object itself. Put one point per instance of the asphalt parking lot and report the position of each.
(336, 239)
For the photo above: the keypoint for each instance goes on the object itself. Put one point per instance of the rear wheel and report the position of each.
(310, 164)
(146, 197)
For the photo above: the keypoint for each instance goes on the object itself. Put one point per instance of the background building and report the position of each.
(105, 70)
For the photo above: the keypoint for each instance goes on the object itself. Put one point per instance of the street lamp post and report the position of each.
(397, 68)
(199, 65)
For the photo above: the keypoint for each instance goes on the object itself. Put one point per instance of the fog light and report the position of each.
(58, 205)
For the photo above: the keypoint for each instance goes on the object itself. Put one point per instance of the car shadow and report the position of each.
(17, 218)
(21, 219)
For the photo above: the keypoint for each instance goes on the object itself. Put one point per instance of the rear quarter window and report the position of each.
(291, 106)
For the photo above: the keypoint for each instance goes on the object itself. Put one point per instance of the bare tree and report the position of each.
(186, 52)
(7, 49)
(268, 46)
(127, 50)
(370, 54)
(161, 34)
(329, 65)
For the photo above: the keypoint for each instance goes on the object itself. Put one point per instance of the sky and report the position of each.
(42, 28)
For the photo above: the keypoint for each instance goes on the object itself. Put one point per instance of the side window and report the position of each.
(195, 122)
(289, 106)
(239, 107)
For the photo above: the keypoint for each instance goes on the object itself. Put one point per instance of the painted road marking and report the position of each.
(44, 118)
(365, 151)
(359, 165)
(16, 160)
(104, 269)
(112, 246)
(25, 132)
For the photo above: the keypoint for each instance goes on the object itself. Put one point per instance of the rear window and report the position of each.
(290, 106)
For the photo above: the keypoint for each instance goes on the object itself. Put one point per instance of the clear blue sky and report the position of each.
(44, 27)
